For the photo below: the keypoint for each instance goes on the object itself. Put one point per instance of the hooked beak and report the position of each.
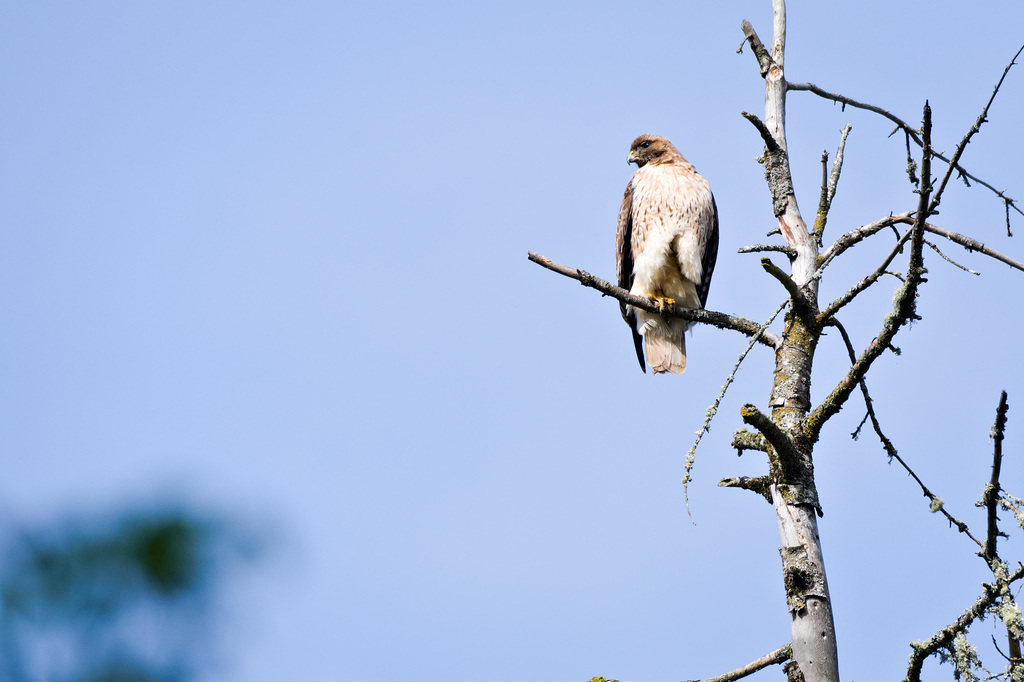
(632, 158)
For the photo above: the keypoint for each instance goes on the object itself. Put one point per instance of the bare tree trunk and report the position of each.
(794, 495)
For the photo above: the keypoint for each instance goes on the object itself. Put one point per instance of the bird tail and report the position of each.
(666, 347)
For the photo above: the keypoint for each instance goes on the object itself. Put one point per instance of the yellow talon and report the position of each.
(663, 302)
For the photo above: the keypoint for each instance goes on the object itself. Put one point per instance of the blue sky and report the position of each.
(271, 257)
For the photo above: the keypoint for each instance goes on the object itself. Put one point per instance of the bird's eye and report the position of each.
(645, 144)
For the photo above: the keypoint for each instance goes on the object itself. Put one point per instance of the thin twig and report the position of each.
(890, 449)
(982, 117)
(936, 504)
(713, 410)
(911, 163)
(948, 259)
(715, 319)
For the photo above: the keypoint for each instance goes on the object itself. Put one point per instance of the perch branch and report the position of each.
(715, 319)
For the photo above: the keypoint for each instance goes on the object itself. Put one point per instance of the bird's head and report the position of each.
(652, 149)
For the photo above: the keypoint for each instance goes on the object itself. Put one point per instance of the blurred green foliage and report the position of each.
(124, 597)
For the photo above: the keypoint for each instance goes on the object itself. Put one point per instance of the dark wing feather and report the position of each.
(707, 259)
(624, 266)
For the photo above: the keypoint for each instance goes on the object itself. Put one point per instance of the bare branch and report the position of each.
(944, 637)
(769, 140)
(759, 485)
(828, 187)
(890, 449)
(715, 319)
(973, 245)
(758, 248)
(991, 496)
(800, 302)
(852, 237)
(746, 440)
(937, 198)
(904, 304)
(863, 284)
(935, 502)
(837, 165)
(915, 135)
(824, 179)
(764, 59)
(780, 655)
(982, 117)
(779, 439)
(911, 163)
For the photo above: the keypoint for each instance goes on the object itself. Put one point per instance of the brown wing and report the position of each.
(624, 266)
(709, 255)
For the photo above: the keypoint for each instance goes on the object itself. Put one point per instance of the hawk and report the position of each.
(666, 243)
